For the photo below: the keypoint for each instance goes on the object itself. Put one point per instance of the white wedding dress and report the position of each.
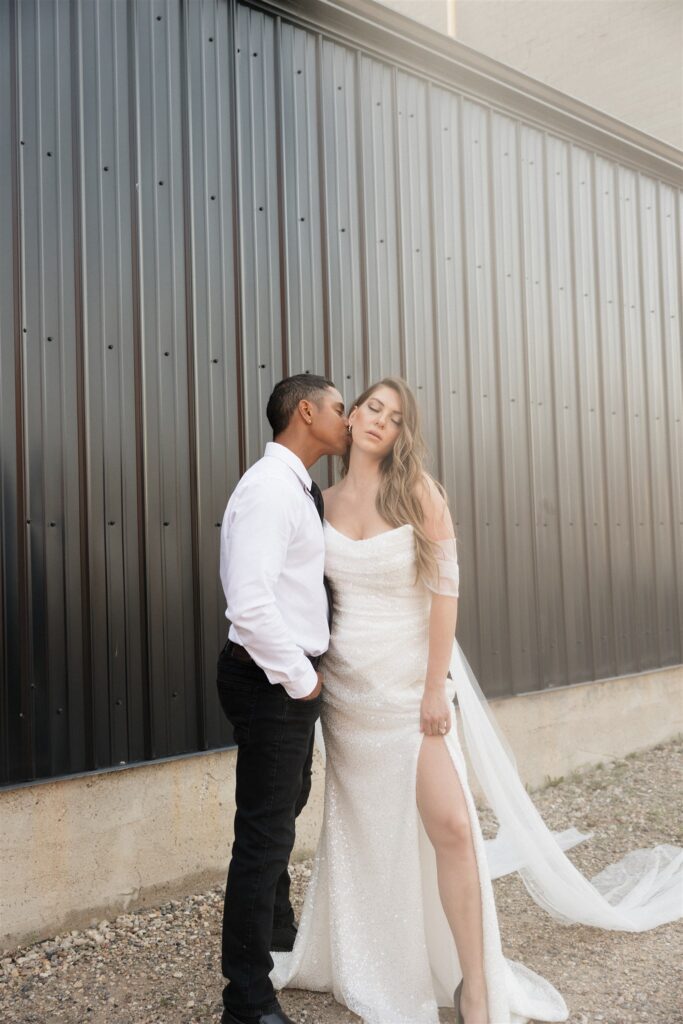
(372, 929)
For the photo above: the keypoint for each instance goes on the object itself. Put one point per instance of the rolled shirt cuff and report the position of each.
(301, 685)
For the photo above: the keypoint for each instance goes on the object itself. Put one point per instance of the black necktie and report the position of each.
(316, 494)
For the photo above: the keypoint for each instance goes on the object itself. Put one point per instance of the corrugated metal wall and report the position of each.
(197, 198)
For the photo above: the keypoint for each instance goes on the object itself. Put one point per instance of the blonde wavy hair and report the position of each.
(403, 476)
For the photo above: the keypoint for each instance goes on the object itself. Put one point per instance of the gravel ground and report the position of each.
(163, 965)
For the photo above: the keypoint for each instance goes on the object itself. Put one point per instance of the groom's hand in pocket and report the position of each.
(316, 691)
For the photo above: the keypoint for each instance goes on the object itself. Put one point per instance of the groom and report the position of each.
(272, 560)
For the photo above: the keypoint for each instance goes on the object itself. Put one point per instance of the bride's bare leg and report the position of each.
(443, 810)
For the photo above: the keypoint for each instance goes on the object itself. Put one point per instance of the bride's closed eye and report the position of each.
(376, 408)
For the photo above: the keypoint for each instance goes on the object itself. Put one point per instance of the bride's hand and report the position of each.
(435, 711)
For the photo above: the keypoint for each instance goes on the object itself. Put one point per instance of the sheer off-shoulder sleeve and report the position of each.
(448, 578)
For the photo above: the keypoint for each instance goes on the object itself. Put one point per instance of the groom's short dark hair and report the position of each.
(288, 393)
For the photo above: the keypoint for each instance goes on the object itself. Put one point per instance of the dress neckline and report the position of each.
(364, 540)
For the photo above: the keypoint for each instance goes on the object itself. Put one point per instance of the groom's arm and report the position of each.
(255, 535)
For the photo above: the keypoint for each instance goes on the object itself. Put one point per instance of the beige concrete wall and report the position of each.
(79, 850)
(555, 731)
(75, 851)
(624, 57)
(433, 13)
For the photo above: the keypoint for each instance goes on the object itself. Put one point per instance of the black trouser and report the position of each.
(274, 737)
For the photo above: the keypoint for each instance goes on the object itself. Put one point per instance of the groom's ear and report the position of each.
(305, 411)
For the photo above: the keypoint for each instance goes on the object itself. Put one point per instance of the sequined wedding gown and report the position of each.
(372, 929)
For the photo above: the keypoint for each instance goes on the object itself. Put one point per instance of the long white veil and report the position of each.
(641, 891)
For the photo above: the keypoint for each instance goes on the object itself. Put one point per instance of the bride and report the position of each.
(400, 910)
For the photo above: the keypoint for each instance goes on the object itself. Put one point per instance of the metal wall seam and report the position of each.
(300, 199)
(80, 688)
(476, 612)
(137, 361)
(16, 745)
(501, 642)
(550, 511)
(438, 453)
(199, 674)
(639, 375)
(585, 597)
(379, 214)
(341, 198)
(237, 235)
(285, 370)
(258, 212)
(399, 229)
(362, 242)
(669, 247)
(415, 250)
(324, 227)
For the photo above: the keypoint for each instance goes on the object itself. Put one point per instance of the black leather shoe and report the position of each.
(276, 1016)
(283, 939)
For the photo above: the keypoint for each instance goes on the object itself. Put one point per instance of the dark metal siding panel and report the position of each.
(259, 224)
(637, 515)
(484, 388)
(49, 359)
(418, 316)
(452, 328)
(13, 752)
(210, 109)
(543, 427)
(564, 403)
(378, 128)
(614, 410)
(164, 380)
(341, 211)
(661, 526)
(521, 578)
(118, 659)
(592, 519)
(301, 202)
(296, 192)
(668, 210)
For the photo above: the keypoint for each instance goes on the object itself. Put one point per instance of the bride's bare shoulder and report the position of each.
(437, 518)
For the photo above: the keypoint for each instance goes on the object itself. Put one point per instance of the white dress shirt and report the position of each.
(272, 565)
